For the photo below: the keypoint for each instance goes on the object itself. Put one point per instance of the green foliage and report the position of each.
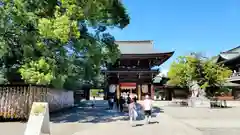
(224, 90)
(56, 33)
(37, 72)
(215, 74)
(183, 71)
(3, 79)
(96, 92)
(192, 68)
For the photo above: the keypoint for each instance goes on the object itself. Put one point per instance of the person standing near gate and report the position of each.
(121, 103)
(147, 104)
(93, 102)
(111, 103)
(132, 110)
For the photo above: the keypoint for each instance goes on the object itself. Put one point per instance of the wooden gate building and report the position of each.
(134, 71)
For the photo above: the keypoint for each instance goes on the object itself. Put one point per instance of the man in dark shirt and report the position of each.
(135, 99)
(128, 99)
(121, 103)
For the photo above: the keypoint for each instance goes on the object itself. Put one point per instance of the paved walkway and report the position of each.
(219, 121)
(85, 121)
(174, 121)
(165, 126)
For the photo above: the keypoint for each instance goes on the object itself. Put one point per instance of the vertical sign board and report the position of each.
(38, 121)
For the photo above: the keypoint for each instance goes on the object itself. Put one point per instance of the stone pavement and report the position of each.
(100, 121)
(171, 121)
(66, 123)
(17, 128)
(162, 125)
(222, 121)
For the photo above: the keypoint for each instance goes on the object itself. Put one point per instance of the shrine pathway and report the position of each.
(173, 121)
(95, 121)
(161, 125)
(221, 121)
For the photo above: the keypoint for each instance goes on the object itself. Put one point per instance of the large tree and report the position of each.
(58, 42)
(196, 68)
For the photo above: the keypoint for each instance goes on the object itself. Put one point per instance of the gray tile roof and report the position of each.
(236, 49)
(136, 47)
(228, 55)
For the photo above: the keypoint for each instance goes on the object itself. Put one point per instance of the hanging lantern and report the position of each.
(144, 88)
(112, 88)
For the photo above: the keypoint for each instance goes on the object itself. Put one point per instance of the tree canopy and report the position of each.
(206, 72)
(58, 42)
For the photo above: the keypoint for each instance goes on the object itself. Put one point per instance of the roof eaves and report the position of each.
(232, 49)
(229, 60)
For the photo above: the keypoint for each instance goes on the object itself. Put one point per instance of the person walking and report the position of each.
(111, 103)
(121, 103)
(116, 103)
(147, 104)
(132, 109)
(135, 98)
(93, 102)
(128, 99)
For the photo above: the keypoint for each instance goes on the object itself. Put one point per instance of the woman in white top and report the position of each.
(147, 104)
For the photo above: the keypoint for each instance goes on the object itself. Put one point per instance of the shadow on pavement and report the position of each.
(154, 122)
(157, 110)
(89, 115)
(138, 125)
(99, 114)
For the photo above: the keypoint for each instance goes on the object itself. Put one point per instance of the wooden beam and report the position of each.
(146, 56)
(135, 80)
(133, 71)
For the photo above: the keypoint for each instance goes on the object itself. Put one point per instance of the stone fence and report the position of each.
(16, 100)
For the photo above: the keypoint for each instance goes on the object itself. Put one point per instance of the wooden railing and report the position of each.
(16, 100)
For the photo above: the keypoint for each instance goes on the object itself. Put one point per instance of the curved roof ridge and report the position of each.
(231, 50)
(229, 53)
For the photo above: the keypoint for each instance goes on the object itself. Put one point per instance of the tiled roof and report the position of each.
(136, 47)
(228, 55)
(236, 49)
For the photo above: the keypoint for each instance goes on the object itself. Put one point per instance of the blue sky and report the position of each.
(184, 26)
